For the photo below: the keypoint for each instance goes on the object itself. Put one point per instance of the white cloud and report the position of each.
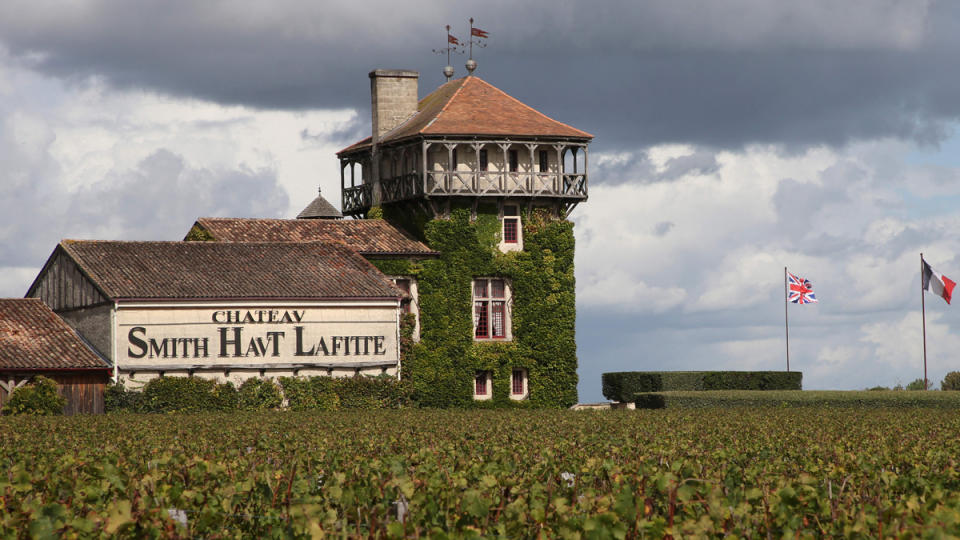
(81, 160)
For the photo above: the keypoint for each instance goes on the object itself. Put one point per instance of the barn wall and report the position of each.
(62, 286)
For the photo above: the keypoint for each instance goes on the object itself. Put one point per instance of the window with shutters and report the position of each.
(491, 310)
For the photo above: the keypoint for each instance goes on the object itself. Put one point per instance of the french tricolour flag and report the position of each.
(937, 283)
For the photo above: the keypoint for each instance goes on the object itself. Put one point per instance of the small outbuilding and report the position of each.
(36, 341)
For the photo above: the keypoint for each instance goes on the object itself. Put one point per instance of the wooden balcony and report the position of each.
(569, 187)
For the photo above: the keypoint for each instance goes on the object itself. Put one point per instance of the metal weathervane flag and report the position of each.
(801, 290)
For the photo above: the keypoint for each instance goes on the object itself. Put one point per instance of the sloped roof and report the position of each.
(187, 270)
(366, 236)
(34, 337)
(472, 106)
(320, 208)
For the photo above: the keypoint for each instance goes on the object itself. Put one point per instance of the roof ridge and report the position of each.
(529, 107)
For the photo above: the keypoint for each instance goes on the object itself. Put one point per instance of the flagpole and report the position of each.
(786, 324)
(923, 312)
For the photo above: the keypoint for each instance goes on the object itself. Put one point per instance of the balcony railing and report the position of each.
(510, 184)
(468, 183)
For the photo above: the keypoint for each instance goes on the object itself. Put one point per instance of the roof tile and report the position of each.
(366, 236)
(34, 337)
(472, 106)
(196, 270)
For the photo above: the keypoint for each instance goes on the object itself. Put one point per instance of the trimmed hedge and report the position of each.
(624, 386)
(868, 399)
(195, 394)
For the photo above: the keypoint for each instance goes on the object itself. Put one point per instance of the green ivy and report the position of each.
(198, 234)
(443, 364)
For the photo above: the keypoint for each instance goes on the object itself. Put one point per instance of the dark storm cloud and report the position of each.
(721, 74)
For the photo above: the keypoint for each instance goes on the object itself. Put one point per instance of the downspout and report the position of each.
(113, 341)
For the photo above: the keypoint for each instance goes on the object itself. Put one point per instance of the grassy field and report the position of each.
(882, 399)
(788, 471)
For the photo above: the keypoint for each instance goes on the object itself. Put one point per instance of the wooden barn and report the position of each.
(36, 341)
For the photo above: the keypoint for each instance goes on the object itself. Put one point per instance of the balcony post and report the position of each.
(533, 169)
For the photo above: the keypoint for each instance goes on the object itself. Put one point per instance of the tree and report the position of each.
(917, 385)
(951, 381)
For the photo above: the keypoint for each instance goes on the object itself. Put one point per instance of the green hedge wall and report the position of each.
(442, 366)
(195, 394)
(624, 386)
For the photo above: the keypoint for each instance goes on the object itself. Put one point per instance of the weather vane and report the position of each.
(452, 44)
(479, 34)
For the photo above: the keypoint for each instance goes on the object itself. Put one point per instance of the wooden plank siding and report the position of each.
(62, 285)
(84, 391)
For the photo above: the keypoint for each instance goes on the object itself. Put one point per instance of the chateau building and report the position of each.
(454, 270)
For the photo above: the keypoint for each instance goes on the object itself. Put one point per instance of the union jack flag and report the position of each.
(801, 290)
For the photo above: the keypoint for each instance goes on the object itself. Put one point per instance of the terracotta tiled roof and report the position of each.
(34, 337)
(185, 270)
(319, 208)
(366, 236)
(472, 106)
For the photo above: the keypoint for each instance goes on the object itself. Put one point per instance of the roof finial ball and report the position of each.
(475, 33)
(448, 72)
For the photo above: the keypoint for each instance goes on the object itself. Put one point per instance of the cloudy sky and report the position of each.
(732, 139)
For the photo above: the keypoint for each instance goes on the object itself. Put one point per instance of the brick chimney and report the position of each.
(393, 99)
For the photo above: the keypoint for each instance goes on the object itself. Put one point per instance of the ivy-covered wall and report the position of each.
(443, 364)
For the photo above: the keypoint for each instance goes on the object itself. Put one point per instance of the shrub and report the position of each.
(187, 394)
(917, 384)
(258, 394)
(951, 381)
(117, 398)
(40, 398)
(624, 385)
(877, 389)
